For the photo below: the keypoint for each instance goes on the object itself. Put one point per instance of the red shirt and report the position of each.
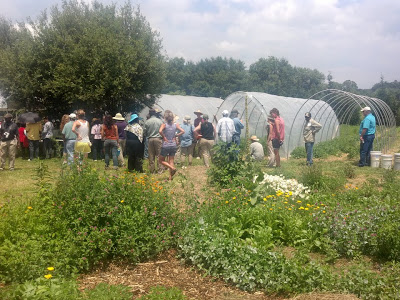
(22, 137)
(197, 121)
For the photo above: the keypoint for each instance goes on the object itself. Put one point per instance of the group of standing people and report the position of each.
(161, 137)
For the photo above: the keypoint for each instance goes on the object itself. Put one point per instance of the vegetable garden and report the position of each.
(330, 228)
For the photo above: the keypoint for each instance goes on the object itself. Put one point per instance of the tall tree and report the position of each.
(92, 56)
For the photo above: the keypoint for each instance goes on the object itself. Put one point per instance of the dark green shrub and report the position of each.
(229, 168)
(84, 219)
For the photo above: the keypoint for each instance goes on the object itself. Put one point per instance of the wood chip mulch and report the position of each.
(166, 270)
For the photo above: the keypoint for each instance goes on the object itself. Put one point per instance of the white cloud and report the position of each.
(354, 39)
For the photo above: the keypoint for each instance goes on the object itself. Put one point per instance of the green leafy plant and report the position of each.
(163, 293)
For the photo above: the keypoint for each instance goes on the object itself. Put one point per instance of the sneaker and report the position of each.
(29, 159)
(115, 168)
(1, 169)
(11, 169)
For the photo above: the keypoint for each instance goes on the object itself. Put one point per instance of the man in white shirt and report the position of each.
(226, 128)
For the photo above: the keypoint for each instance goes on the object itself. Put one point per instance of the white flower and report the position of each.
(279, 183)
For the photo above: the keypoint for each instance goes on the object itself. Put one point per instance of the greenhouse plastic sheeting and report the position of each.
(185, 105)
(259, 105)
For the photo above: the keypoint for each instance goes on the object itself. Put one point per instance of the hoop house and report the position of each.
(185, 105)
(345, 105)
(259, 105)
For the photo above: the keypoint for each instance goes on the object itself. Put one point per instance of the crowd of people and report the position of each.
(159, 138)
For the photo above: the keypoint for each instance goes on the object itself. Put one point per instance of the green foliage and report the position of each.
(162, 293)
(82, 55)
(62, 289)
(313, 177)
(349, 171)
(347, 143)
(229, 169)
(84, 219)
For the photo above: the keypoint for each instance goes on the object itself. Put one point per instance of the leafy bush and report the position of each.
(84, 219)
(62, 289)
(229, 169)
(162, 293)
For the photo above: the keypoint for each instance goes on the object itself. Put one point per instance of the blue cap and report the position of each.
(133, 117)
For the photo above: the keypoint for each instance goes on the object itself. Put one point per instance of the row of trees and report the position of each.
(108, 58)
(91, 56)
(218, 77)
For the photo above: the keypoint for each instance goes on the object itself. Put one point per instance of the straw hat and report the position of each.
(119, 117)
(198, 112)
(254, 138)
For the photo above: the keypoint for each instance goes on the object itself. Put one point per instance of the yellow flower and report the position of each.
(226, 202)
(301, 207)
(298, 201)
(48, 276)
(270, 209)
(285, 202)
(324, 211)
(234, 198)
(306, 208)
(50, 268)
(30, 207)
(122, 201)
(265, 199)
(289, 208)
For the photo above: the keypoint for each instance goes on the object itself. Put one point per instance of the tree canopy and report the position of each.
(92, 56)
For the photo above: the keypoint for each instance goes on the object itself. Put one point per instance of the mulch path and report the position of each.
(168, 271)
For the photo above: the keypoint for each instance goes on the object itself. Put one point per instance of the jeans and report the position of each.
(70, 146)
(365, 150)
(33, 149)
(309, 151)
(113, 146)
(236, 139)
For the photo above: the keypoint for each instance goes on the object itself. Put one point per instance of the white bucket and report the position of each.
(396, 161)
(375, 158)
(386, 162)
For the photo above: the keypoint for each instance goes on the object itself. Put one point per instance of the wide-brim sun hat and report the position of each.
(187, 118)
(133, 117)
(198, 112)
(119, 117)
(254, 138)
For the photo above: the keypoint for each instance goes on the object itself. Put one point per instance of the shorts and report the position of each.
(168, 151)
(82, 147)
(276, 144)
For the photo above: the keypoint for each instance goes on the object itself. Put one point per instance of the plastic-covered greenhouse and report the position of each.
(329, 107)
(259, 105)
(185, 105)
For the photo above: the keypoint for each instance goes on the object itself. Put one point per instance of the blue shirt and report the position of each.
(67, 131)
(187, 137)
(369, 123)
(238, 126)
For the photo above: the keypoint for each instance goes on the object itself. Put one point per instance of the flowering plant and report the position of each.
(282, 185)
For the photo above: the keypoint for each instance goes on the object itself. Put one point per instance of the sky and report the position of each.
(353, 39)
